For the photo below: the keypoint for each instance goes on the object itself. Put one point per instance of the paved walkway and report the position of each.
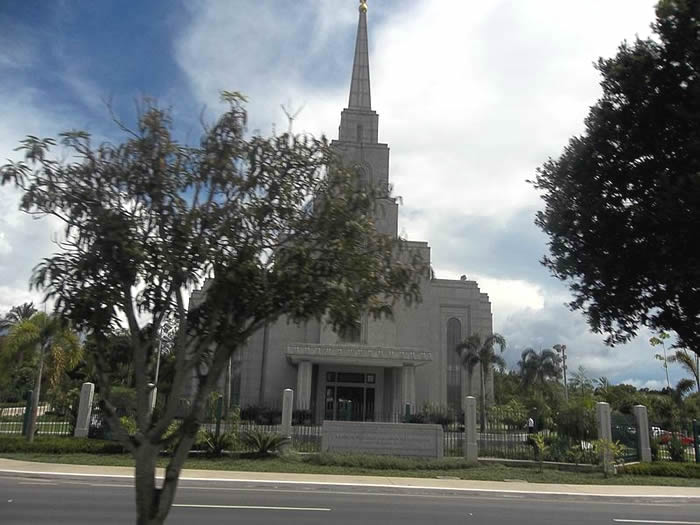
(616, 491)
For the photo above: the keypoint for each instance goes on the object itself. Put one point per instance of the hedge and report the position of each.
(386, 462)
(59, 445)
(662, 468)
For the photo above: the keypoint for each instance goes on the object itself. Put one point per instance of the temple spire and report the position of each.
(360, 97)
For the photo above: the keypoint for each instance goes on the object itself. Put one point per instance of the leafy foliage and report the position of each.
(16, 315)
(262, 442)
(216, 445)
(59, 445)
(539, 367)
(623, 200)
(675, 470)
(274, 227)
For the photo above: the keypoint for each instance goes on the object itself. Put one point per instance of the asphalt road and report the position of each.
(60, 500)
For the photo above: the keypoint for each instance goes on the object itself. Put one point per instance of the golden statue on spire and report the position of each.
(363, 6)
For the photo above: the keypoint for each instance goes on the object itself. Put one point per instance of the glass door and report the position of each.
(350, 403)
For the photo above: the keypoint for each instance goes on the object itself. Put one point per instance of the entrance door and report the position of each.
(350, 403)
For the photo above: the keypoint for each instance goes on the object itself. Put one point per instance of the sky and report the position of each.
(473, 96)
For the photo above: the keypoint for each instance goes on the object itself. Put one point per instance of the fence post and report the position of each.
(602, 413)
(219, 415)
(696, 440)
(27, 412)
(287, 410)
(471, 446)
(82, 423)
(640, 414)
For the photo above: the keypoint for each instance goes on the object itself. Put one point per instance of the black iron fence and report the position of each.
(679, 446)
(503, 434)
(500, 433)
(50, 421)
(624, 431)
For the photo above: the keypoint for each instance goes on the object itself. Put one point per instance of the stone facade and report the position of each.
(389, 364)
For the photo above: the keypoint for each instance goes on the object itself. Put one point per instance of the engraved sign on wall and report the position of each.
(392, 439)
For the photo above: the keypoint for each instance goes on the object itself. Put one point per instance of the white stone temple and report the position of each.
(387, 364)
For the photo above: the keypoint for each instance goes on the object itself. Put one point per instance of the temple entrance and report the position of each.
(349, 397)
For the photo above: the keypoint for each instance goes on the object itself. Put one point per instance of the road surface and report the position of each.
(103, 501)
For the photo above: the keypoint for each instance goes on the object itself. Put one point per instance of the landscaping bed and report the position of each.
(109, 453)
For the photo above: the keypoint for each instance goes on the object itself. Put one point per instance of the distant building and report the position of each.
(375, 372)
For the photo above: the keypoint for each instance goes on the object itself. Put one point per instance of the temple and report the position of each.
(386, 365)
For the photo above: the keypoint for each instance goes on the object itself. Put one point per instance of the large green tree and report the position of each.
(622, 203)
(276, 225)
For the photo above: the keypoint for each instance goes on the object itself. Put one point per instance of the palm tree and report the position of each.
(690, 362)
(539, 367)
(16, 315)
(683, 387)
(472, 352)
(659, 340)
(55, 342)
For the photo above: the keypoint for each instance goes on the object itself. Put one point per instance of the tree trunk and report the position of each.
(147, 495)
(35, 397)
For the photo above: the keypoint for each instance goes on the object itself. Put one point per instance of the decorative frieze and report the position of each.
(308, 351)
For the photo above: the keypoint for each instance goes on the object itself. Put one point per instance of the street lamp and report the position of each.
(561, 349)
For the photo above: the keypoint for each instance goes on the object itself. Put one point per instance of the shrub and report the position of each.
(216, 445)
(676, 449)
(59, 445)
(663, 468)
(374, 462)
(608, 451)
(558, 448)
(541, 447)
(263, 443)
(654, 446)
(129, 424)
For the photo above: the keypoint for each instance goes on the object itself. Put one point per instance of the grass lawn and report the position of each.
(329, 464)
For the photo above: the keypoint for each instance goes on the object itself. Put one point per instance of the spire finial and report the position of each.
(360, 97)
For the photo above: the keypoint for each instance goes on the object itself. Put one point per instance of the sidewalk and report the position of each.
(9, 466)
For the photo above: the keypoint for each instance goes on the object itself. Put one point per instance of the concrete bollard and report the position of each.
(602, 416)
(82, 424)
(471, 446)
(642, 418)
(287, 409)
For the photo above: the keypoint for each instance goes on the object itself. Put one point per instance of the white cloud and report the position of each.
(651, 384)
(24, 241)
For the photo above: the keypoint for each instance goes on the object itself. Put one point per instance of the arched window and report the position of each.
(454, 365)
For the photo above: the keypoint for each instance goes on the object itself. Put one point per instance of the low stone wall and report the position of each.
(390, 439)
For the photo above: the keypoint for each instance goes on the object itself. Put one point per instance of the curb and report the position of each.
(392, 488)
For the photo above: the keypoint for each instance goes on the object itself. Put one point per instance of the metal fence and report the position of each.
(50, 421)
(673, 446)
(624, 430)
(504, 434)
